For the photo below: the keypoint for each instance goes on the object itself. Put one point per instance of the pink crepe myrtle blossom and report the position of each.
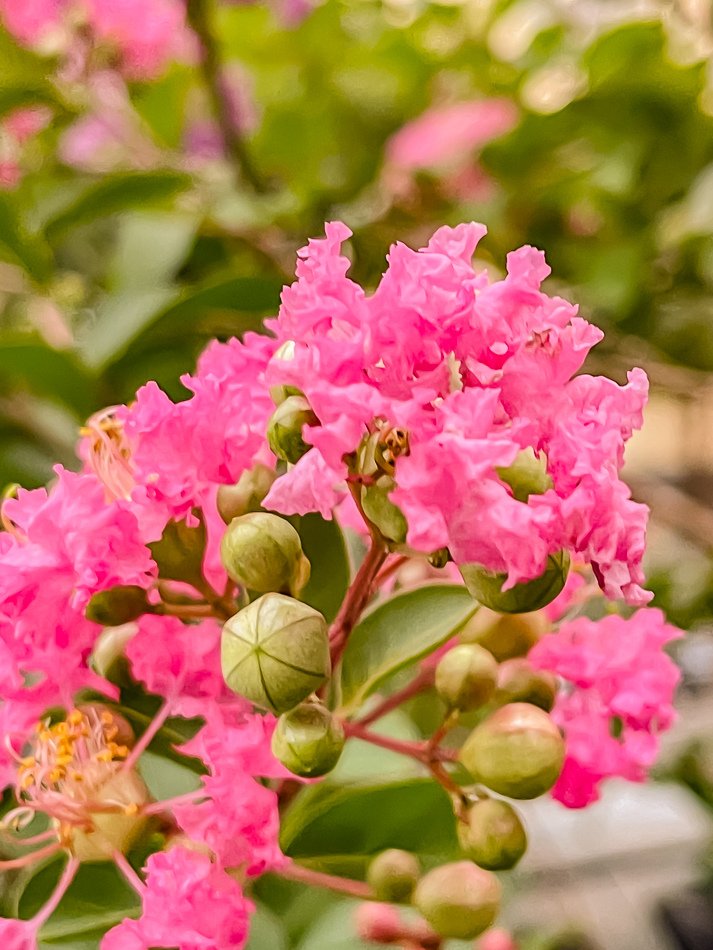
(618, 697)
(188, 903)
(476, 371)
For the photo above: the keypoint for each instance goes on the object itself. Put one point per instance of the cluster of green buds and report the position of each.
(459, 900)
(275, 650)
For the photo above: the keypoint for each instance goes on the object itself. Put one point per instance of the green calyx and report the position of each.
(248, 493)
(117, 606)
(487, 587)
(459, 900)
(393, 875)
(284, 430)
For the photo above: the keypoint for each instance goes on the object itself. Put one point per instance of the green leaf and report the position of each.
(325, 547)
(28, 362)
(24, 248)
(150, 249)
(179, 552)
(412, 813)
(98, 898)
(405, 628)
(266, 931)
(116, 193)
(133, 322)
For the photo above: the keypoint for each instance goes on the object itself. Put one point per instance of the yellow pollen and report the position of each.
(131, 809)
(106, 717)
(75, 717)
(27, 762)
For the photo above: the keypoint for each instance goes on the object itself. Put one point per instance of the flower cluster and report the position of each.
(445, 411)
(474, 372)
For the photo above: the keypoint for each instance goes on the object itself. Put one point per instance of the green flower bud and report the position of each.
(517, 751)
(492, 835)
(247, 494)
(263, 552)
(393, 875)
(308, 740)
(275, 652)
(382, 512)
(284, 430)
(439, 558)
(117, 606)
(520, 682)
(466, 677)
(486, 587)
(504, 635)
(527, 475)
(459, 900)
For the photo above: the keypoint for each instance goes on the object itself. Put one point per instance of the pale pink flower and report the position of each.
(31, 20)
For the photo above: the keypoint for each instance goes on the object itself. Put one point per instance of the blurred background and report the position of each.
(154, 188)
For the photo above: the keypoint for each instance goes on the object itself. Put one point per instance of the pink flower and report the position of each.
(31, 20)
(147, 33)
(23, 124)
(18, 934)
(619, 698)
(474, 371)
(10, 174)
(189, 903)
(445, 134)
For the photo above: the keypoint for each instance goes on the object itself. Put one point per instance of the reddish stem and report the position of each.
(342, 885)
(423, 680)
(356, 599)
(390, 569)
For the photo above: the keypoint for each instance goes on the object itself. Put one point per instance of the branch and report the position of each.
(342, 885)
(199, 18)
(422, 681)
(356, 599)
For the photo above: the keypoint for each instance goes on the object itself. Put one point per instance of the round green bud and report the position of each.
(466, 677)
(459, 900)
(527, 475)
(517, 751)
(492, 835)
(382, 512)
(263, 552)
(117, 606)
(520, 682)
(504, 635)
(439, 558)
(486, 586)
(308, 740)
(275, 652)
(247, 494)
(393, 875)
(284, 430)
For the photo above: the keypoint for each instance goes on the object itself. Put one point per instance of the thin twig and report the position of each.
(422, 681)
(342, 885)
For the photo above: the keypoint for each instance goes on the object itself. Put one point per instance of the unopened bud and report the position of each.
(486, 586)
(504, 635)
(247, 494)
(378, 923)
(520, 682)
(284, 353)
(527, 475)
(393, 875)
(382, 512)
(466, 677)
(492, 835)
(308, 740)
(275, 652)
(284, 430)
(459, 900)
(263, 552)
(439, 558)
(117, 606)
(517, 751)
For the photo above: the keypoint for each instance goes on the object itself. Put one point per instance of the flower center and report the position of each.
(108, 453)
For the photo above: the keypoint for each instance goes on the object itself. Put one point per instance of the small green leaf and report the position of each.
(115, 193)
(413, 813)
(324, 546)
(399, 631)
(27, 362)
(98, 898)
(179, 553)
(28, 250)
(266, 931)
(150, 249)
